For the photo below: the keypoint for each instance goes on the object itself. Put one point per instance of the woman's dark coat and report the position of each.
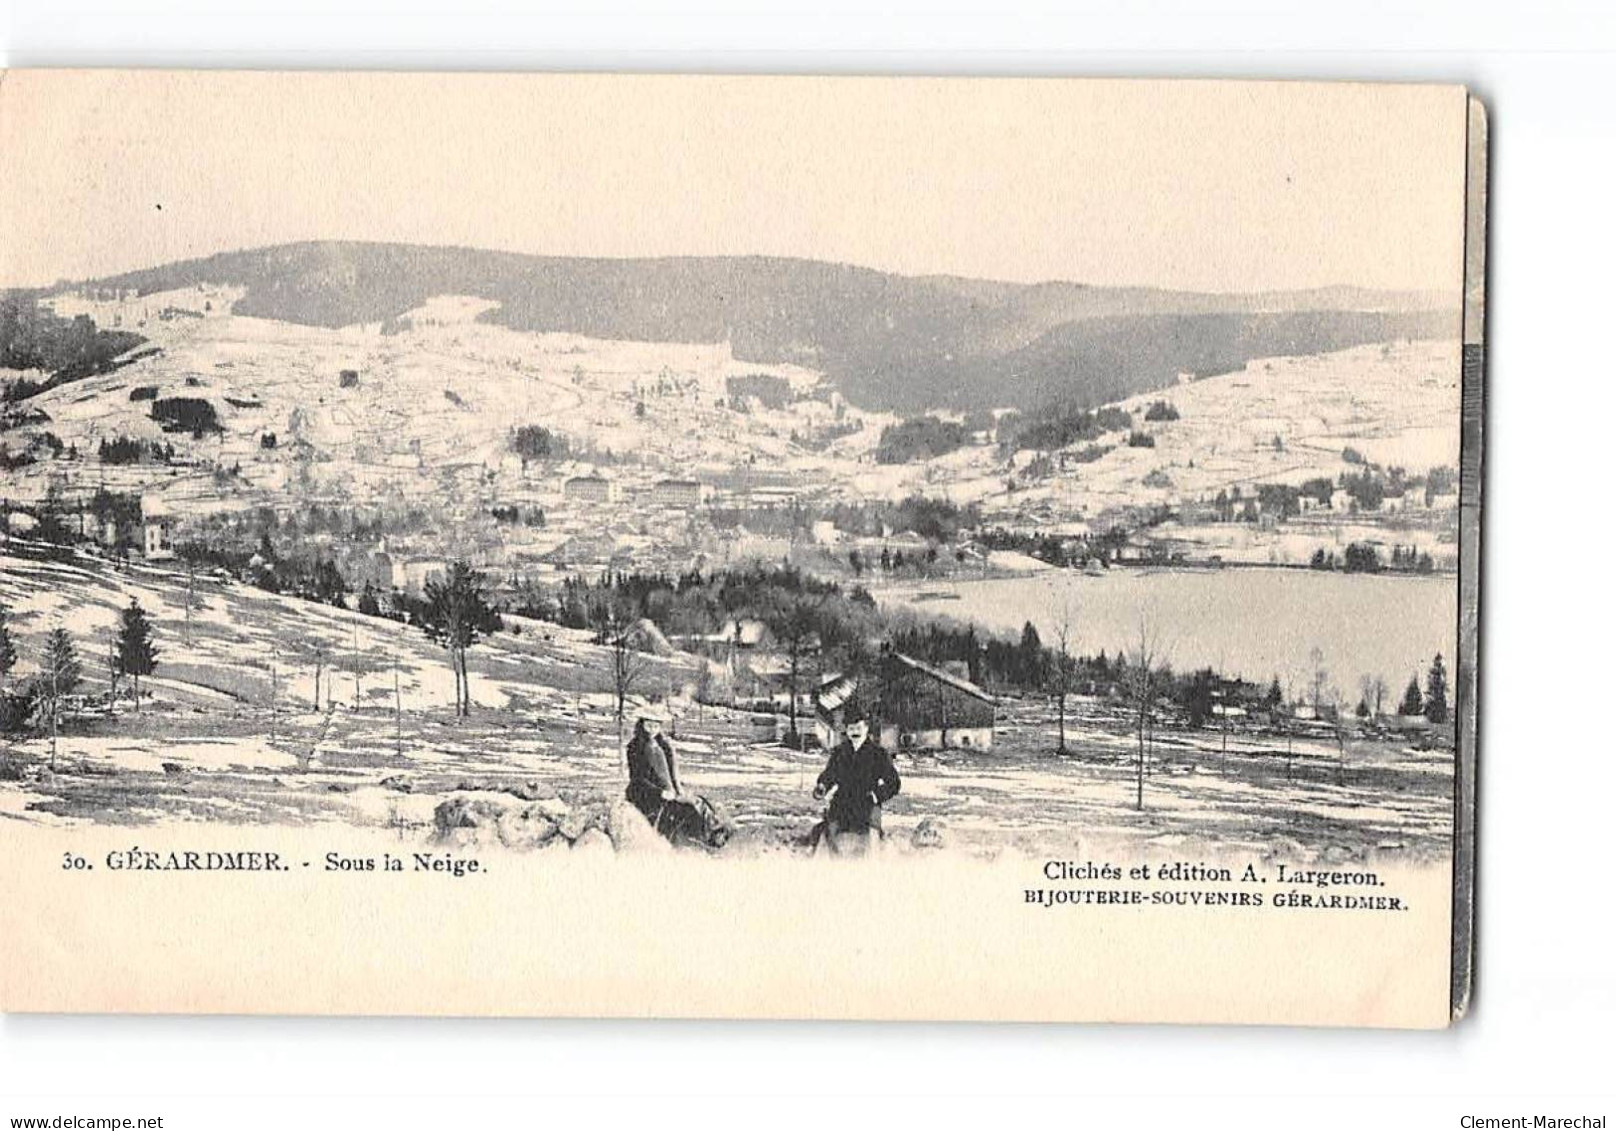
(652, 768)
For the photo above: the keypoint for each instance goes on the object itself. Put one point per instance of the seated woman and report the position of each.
(654, 789)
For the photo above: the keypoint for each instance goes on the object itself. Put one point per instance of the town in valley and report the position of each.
(408, 538)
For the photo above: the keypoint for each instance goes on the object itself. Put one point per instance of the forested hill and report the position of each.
(889, 341)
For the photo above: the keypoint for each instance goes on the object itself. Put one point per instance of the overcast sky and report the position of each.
(1192, 185)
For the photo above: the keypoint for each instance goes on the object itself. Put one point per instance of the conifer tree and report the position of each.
(136, 655)
(60, 675)
(8, 648)
(1436, 691)
(1412, 703)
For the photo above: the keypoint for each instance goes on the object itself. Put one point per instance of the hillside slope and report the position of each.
(889, 342)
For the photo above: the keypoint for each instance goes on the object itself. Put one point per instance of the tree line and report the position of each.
(41, 701)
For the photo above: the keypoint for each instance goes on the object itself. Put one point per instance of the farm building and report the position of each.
(917, 707)
(926, 707)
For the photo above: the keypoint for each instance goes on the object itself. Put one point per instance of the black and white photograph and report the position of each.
(333, 530)
(742, 565)
(1058, 534)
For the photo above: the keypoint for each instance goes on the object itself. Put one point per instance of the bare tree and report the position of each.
(1320, 680)
(1141, 680)
(319, 671)
(398, 712)
(1338, 709)
(795, 626)
(354, 653)
(114, 673)
(618, 628)
(706, 687)
(1063, 672)
(190, 596)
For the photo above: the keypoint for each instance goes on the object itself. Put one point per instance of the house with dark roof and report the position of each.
(913, 706)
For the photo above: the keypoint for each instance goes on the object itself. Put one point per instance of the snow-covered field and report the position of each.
(368, 769)
(210, 745)
(244, 649)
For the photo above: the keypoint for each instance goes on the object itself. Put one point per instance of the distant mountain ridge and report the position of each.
(894, 342)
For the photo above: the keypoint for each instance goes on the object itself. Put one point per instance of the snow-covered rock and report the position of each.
(631, 832)
(593, 840)
(929, 833)
(525, 828)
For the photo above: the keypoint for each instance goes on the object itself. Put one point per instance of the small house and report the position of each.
(915, 707)
(159, 538)
(923, 707)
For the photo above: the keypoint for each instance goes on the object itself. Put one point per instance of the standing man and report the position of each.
(859, 779)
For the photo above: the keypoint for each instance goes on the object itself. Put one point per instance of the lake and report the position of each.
(1256, 623)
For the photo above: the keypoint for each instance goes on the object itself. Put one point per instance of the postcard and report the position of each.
(739, 546)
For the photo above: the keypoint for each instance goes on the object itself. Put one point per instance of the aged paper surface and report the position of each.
(739, 547)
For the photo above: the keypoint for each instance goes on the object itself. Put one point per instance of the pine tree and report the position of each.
(1031, 659)
(8, 648)
(1412, 703)
(456, 612)
(60, 675)
(1436, 691)
(136, 656)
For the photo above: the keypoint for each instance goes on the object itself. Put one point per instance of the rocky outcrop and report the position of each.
(475, 817)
